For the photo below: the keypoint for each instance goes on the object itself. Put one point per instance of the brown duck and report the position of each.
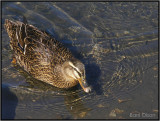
(44, 57)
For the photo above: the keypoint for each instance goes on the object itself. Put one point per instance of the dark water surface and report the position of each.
(117, 42)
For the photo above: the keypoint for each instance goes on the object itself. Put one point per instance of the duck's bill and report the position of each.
(84, 85)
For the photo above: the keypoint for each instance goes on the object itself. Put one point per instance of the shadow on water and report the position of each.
(93, 73)
(9, 103)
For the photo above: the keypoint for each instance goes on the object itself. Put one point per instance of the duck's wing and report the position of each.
(24, 37)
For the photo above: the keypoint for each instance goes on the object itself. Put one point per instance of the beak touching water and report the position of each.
(84, 85)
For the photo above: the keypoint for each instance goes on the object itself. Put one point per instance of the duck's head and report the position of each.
(75, 69)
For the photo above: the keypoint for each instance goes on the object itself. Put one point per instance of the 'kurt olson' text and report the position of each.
(145, 115)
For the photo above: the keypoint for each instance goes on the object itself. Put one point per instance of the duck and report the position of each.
(43, 57)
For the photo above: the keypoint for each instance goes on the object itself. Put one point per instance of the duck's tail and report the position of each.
(16, 32)
(13, 27)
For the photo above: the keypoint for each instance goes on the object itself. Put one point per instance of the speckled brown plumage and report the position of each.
(38, 53)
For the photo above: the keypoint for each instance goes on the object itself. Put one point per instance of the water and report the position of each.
(117, 42)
